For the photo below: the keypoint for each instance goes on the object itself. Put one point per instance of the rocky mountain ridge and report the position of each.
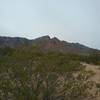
(47, 43)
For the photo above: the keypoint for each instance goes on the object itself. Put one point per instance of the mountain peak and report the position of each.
(47, 43)
(46, 37)
(43, 38)
(55, 39)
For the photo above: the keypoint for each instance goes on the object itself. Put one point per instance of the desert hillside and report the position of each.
(43, 72)
(48, 44)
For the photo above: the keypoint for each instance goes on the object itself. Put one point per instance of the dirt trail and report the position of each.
(96, 70)
(95, 78)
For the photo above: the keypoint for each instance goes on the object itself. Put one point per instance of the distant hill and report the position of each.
(47, 43)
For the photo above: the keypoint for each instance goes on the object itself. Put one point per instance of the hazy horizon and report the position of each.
(70, 20)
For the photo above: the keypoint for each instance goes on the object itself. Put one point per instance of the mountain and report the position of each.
(47, 43)
(12, 42)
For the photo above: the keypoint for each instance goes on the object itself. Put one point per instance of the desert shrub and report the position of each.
(32, 74)
(98, 85)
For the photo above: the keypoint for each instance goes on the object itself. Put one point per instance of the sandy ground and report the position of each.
(96, 70)
(96, 78)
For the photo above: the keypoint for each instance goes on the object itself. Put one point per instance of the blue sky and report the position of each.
(70, 20)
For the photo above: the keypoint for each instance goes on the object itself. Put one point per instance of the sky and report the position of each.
(69, 20)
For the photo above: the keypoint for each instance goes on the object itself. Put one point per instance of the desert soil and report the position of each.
(95, 78)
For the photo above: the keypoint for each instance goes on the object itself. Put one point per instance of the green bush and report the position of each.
(29, 73)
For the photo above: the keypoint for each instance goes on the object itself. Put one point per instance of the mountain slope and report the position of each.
(47, 43)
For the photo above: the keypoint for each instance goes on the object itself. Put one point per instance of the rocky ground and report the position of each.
(95, 78)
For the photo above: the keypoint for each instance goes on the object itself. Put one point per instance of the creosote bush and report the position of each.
(31, 74)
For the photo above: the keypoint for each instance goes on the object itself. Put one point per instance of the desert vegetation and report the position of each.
(33, 74)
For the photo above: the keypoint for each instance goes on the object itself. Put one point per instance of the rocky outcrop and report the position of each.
(47, 43)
